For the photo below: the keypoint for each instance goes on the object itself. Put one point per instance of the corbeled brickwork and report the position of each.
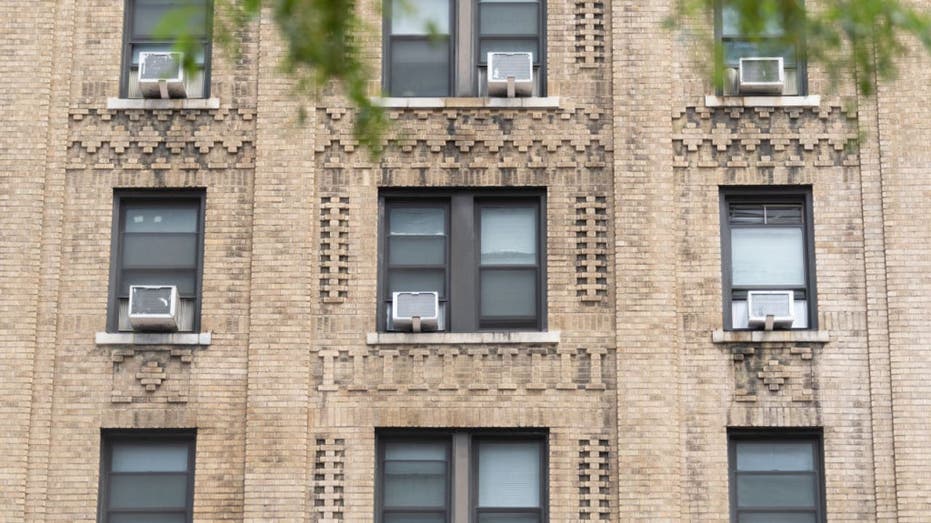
(334, 249)
(151, 375)
(591, 258)
(595, 479)
(328, 481)
(161, 139)
(589, 33)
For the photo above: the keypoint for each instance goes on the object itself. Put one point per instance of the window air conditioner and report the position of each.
(154, 307)
(761, 75)
(778, 305)
(416, 311)
(161, 75)
(510, 74)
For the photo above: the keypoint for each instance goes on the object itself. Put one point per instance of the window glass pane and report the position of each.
(147, 14)
(783, 214)
(420, 68)
(159, 250)
(734, 50)
(160, 219)
(731, 23)
(508, 293)
(414, 518)
(509, 236)
(417, 280)
(421, 222)
(415, 483)
(504, 45)
(143, 491)
(747, 214)
(775, 455)
(141, 517)
(419, 17)
(507, 518)
(772, 490)
(412, 250)
(506, 19)
(509, 474)
(143, 457)
(775, 517)
(183, 279)
(767, 256)
(429, 451)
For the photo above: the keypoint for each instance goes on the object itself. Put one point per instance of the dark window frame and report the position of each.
(776, 435)
(116, 244)
(427, 437)
(130, 39)
(109, 437)
(801, 53)
(465, 40)
(415, 435)
(463, 253)
(770, 195)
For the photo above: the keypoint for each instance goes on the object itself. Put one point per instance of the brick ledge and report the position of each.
(153, 338)
(153, 103)
(762, 101)
(461, 338)
(791, 336)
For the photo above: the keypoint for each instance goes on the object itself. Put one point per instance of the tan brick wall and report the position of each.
(288, 396)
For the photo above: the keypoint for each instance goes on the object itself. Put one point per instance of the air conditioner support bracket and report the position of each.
(770, 322)
(415, 324)
(163, 89)
(512, 91)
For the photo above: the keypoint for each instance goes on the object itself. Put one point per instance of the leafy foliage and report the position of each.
(863, 37)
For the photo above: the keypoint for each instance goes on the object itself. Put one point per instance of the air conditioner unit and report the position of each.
(161, 75)
(778, 305)
(761, 75)
(510, 74)
(416, 311)
(154, 307)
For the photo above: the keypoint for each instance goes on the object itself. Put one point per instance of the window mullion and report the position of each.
(463, 265)
(463, 65)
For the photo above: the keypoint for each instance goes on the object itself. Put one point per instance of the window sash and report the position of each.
(767, 199)
(132, 39)
(112, 439)
(119, 272)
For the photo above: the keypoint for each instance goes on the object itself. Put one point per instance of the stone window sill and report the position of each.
(155, 103)
(462, 338)
(535, 102)
(153, 338)
(788, 336)
(762, 101)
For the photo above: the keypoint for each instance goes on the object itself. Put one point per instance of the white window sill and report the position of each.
(787, 336)
(534, 102)
(462, 338)
(153, 338)
(157, 103)
(762, 101)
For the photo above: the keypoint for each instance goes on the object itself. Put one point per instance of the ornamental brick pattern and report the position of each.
(635, 392)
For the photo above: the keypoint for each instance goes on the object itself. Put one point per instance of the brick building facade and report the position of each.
(632, 381)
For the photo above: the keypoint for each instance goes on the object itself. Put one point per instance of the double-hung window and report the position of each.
(772, 41)
(481, 252)
(768, 245)
(153, 26)
(440, 48)
(147, 476)
(776, 477)
(428, 476)
(157, 240)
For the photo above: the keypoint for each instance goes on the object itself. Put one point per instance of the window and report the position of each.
(767, 240)
(428, 476)
(147, 476)
(482, 252)
(772, 41)
(145, 31)
(440, 47)
(776, 477)
(157, 240)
